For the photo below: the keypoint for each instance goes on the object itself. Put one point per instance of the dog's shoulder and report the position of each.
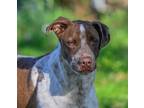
(25, 87)
(25, 62)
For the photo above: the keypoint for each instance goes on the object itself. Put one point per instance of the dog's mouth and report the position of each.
(83, 70)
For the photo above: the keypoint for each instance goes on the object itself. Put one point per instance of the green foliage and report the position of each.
(111, 79)
(112, 64)
(114, 56)
(30, 20)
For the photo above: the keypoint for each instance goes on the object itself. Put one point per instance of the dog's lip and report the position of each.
(77, 69)
(87, 71)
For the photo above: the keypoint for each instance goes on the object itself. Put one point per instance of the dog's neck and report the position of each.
(67, 83)
(80, 85)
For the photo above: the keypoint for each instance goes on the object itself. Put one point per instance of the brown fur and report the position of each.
(25, 88)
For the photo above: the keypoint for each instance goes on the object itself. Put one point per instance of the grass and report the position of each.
(112, 64)
(111, 89)
(112, 78)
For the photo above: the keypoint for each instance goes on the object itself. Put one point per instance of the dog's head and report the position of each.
(80, 41)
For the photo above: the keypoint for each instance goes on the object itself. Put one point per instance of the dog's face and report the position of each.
(81, 42)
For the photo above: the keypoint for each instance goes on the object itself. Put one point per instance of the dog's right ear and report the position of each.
(58, 26)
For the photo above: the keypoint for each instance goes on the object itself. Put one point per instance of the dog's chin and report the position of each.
(85, 72)
(77, 69)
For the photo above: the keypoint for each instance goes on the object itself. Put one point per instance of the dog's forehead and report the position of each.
(86, 30)
(82, 28)
(78, 29)
(85, 27)
(82, 33)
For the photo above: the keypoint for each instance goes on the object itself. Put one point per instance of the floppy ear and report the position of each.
(58, 26)
(103, 32)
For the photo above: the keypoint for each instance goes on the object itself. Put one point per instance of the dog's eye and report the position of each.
(92, 39)
(70, 42)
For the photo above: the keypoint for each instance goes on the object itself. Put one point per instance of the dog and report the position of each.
(64, 77)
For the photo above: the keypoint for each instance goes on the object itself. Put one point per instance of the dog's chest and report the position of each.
(50, 97)
(51, 94)
(56, 89)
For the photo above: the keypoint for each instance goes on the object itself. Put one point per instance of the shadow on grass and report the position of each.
(113, 103)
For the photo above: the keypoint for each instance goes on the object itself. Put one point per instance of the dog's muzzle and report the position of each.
(85, 64)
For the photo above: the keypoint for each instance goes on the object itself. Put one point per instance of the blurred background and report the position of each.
(112, 64)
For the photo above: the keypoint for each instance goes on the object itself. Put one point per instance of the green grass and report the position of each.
(111, 79)
(112, 64)
(111, 89)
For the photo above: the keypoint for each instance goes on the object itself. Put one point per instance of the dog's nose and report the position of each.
(85, 63)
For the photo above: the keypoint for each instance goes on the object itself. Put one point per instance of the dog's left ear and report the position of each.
(59, 26)
(103, 32)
